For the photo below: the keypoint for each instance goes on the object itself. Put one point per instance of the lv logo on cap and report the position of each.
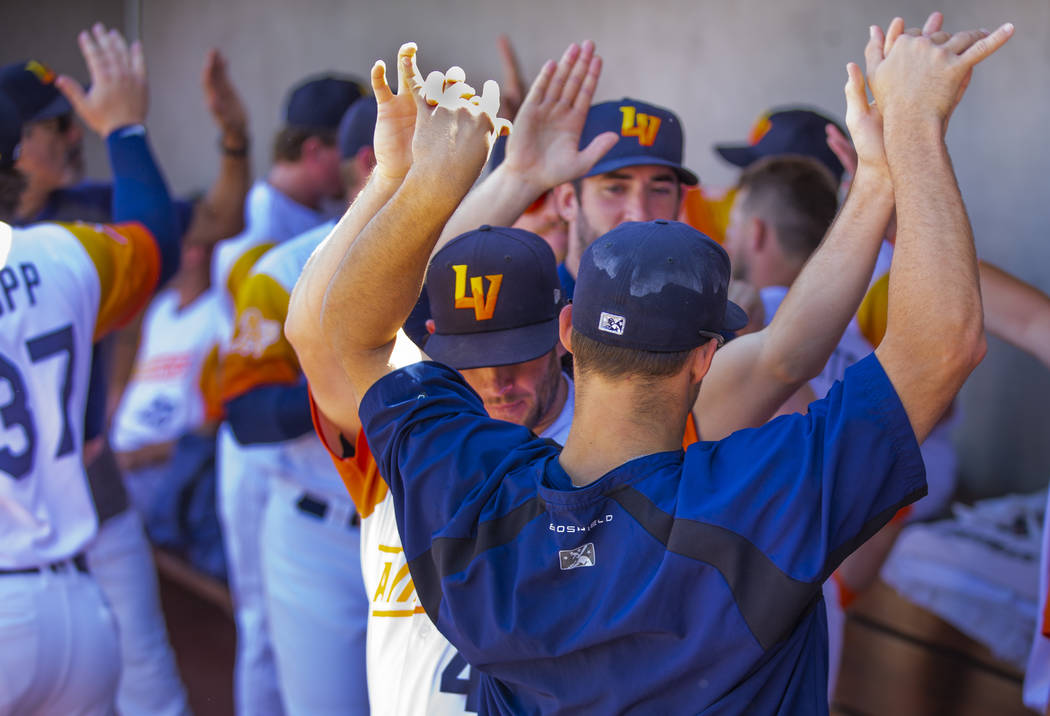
(43, 73)
(484, 305)
(643, 126)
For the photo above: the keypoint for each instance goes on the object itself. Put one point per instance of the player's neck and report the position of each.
(617, 421)
(289, 179)
(31, 201)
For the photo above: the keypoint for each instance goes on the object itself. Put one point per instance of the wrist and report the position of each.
(234, 144)
(518, 183)
(909, 125)
(874, 177)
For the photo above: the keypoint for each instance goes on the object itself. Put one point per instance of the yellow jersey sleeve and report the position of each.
(872, 314)
(259, 353)
(127, 260)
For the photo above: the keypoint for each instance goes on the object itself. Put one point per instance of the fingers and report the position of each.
(856, 94)
(434, 87)
(939, 37)
(539, 86)
(489, 100)
(933, 23)
(962, 41)
(91, 53)
(842, 148)
(455, 74)
(561, 74)
(408, 78)
(380, 88)
(578, 73)
(138, 60)
(583, 99)
(895, 30)
(874, 50)
(988, 45)
(512, 79)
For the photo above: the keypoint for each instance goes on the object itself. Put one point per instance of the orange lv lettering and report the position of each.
(484, 305)
(643, 126)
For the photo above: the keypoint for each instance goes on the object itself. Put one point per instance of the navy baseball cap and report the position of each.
(656, 286)
(319, 102)
(358, 127)
(791, 130)
(31, 86)
(494, 297)
(648, 135)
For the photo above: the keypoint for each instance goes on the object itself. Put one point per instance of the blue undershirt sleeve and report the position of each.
(140, 193)
(270, 414)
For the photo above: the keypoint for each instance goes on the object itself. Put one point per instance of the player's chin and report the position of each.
(516, 411)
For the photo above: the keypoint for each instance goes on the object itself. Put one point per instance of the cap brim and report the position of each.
(480, 350)
(736, 317)
(56, 108)
(738, 155)
(684, 175)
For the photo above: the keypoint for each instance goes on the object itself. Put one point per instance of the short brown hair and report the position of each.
(796, 194)
(12, 184)
(288, 144)
(591, 356)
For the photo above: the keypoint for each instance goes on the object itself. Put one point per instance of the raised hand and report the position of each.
(454, 128)
(395, 118)
(119, 94)
(919, 79)
(543, 150)
(221, 96)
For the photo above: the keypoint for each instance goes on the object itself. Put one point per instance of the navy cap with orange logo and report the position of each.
(648, 135)
(494, 298)
(658, 286)
(792, 130)
(30, 85)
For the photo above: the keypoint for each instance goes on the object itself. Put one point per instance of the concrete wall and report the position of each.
(717, 64)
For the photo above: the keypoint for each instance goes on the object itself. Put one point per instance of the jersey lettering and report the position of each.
(25, 277)
(484, 305)
(395, 595)
(459, 678)
(638, 124)
(16, 412)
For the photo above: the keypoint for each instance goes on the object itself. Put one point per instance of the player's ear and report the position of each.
(565, 327)
(700, 361)
(431, 326)
(565, 201)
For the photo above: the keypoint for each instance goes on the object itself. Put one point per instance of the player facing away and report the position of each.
(66, 286)
(709, 596)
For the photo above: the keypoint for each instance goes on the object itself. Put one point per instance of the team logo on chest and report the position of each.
(582, 556)
(484, 304)
(255, 334)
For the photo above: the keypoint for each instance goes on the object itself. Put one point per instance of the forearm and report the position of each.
(1016, 312)
(140, 193)
(825, 296)
(499, 200)
(223, 205)
(384, 269)
(934, 332)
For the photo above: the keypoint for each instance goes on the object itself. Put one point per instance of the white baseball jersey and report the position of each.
(412, 668)
(164, 398)
(63, 287)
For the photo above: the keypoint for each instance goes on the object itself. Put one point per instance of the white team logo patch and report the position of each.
(611, 323)
(254, 334)
(582, 556)
(5, 243)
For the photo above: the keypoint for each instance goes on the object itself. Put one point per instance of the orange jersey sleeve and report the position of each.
(359, 471)
(707, 213)
(691, 435)
(259, 353)
(211, 386)
(127, 260)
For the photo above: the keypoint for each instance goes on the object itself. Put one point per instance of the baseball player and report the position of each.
(315, 601)
(290, 200)
(67, 285)
(119, 556)
(485, 510)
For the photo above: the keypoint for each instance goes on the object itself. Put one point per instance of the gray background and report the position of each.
(717, 64)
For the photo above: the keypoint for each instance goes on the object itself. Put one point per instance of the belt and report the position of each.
(318, 507)
(77, 562)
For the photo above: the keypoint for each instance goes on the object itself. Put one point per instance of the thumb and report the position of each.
(380, 88)
(597, 149)
(856, 94)
(72, 91)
